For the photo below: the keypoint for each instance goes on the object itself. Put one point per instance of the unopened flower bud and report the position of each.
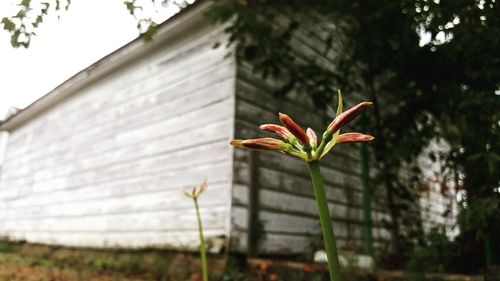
(196, 191)
(353, 137)
(313, 139)
(280, 130)
(347, 116)
(262, 144)
(294, 128)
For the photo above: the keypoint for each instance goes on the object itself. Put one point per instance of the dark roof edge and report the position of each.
(191, 16)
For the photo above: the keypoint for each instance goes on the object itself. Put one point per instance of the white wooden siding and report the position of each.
(438, 204)
(105, 167)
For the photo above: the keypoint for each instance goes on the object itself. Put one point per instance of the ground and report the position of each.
(32, 262)
(22, 261)
(15, 268)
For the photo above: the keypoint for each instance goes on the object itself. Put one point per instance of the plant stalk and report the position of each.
(203, 253)
(326, 221)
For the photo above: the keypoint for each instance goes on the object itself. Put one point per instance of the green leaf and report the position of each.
(340, 105)
(38, 21)
(330, 144)
(20, 14)
(14, 39)
(8, 24)
(26, 3)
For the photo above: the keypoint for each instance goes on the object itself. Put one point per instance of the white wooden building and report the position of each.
(100, 161)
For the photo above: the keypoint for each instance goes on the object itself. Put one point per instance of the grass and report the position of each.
(32, 262)
(22, 261)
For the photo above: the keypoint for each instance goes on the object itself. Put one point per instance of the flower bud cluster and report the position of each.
(304, 144)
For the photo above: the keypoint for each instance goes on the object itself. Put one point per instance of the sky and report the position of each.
(88, 31)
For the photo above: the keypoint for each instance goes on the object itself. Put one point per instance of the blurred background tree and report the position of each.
(432, 69)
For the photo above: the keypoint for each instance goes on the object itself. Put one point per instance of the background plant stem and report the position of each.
(326, 221)
(203, 253)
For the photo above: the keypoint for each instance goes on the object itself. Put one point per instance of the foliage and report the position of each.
(446, 88)
(441, 254)
(478, 216)
(437, 255)
(30, 15)
(479, 222)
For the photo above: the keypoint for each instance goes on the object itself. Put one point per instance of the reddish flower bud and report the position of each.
(280, 130)
(347, 116)
(353, 137)
(261, 144)
(294, 128)
(196, 191)
(237, 143)
(313, 139)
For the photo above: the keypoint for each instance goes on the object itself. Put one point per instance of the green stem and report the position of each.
(326, 221)
(327, 136)
(203, 253)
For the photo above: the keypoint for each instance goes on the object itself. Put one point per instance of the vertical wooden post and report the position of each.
(488, 250)
(253, 206)
(367, 195)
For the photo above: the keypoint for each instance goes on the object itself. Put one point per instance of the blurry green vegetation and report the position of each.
(470, 251)
(439, 254)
